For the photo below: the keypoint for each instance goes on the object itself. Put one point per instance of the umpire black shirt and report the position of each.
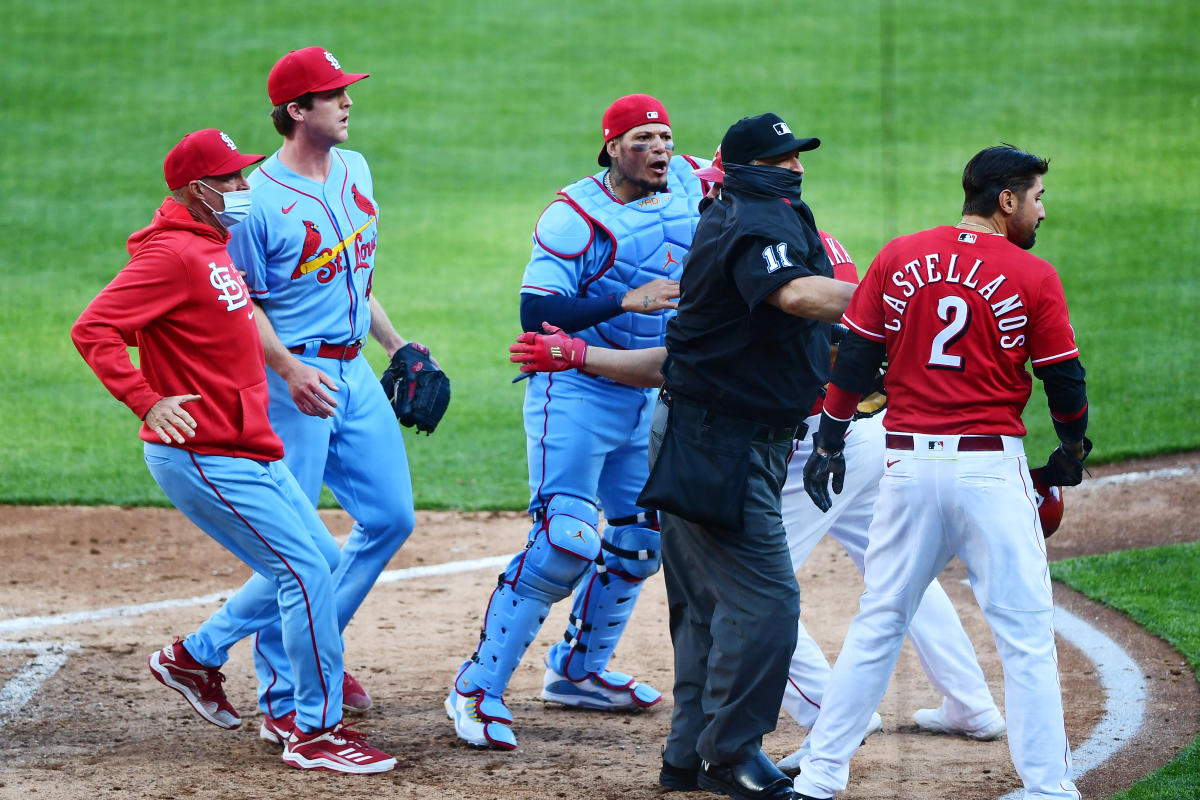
(727, 349)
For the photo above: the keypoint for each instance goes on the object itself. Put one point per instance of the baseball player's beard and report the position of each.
(649, 186)
(646, 185)
(1026, 243)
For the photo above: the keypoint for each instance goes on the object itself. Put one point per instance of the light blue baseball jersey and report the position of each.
(309, 249)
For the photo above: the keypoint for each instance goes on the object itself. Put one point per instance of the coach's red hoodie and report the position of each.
(183, 304)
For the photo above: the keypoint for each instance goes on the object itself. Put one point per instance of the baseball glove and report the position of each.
(1063, 468)
(416, 387)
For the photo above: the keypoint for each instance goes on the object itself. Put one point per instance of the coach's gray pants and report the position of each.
(734, 603)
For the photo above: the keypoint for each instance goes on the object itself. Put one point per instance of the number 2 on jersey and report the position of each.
(955, 312)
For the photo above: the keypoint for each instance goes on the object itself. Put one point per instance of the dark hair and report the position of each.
(283, 120)
(995, 169)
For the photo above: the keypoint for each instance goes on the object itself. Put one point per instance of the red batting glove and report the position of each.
(553, 351)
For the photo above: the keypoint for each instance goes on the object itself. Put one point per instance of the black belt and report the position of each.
(700, 415)
(966, 444)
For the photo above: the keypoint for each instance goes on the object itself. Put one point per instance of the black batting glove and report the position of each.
(1065, 465)
(817, 470)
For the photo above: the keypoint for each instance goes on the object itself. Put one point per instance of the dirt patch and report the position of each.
(101, 727)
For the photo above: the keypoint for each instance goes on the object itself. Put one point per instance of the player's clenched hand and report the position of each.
(817, 469)
(656, 295)
(552, 351)
(309, 388)
(170, 421)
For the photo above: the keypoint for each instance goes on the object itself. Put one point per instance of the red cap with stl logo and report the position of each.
(204, 153)
(313, 69)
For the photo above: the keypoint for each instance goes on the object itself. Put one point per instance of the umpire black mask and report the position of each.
(773, 181)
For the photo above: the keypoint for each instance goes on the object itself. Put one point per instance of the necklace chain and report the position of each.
(975, 225)
(608, 183)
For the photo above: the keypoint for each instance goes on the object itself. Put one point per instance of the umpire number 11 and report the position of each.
(776, 257)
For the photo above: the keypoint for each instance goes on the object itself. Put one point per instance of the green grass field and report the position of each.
(1157, 589)
(477, 112)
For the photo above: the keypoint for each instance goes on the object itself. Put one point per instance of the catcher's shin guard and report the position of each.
(605, 600)
(562, 545)
(510, 625)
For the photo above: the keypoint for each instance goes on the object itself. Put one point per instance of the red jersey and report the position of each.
(184, 305)
(961, 313)
(843, 265)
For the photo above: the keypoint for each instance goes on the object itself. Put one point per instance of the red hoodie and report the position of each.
(184, 305)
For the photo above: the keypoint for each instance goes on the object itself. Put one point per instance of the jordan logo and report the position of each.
(670, 259)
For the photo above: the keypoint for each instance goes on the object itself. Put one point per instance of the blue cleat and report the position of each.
(602, 691)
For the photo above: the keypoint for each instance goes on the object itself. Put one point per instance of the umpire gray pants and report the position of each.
(734, 603)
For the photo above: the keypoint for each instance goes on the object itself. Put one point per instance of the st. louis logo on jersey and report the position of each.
(231, 289)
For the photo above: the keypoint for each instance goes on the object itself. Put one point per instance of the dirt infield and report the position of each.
(101, 727)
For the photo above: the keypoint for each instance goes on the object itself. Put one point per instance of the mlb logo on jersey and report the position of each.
(936, 444)
(969, 238)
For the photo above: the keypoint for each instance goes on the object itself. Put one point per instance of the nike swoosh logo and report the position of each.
(893, 463)
(289, 208)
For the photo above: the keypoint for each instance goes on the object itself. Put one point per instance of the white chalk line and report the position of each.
(1136, 477)
(49, 657)
(1124, 688)
(1120, 677)
(34, 623)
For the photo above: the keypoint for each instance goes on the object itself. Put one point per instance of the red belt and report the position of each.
(966, 444)
(342, 352)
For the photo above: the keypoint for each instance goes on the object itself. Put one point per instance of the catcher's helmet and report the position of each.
(1049, 500)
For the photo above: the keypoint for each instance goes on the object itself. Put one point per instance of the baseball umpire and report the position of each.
(957, 311)
(201, 392)
(606, 258)
(747, 355)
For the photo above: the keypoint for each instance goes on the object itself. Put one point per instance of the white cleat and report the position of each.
(474, 725)
(935, 720)
(790, 765)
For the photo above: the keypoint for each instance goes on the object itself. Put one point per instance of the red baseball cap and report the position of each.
(627, 113)
(313, 69)
(204, 153)
(715, 172)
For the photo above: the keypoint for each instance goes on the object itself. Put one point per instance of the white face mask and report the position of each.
(237, 206)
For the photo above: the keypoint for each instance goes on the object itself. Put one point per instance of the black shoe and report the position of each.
(677, 779)
(802, 796)
(755, 779)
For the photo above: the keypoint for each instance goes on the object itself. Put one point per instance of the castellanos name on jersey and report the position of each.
(308, 249)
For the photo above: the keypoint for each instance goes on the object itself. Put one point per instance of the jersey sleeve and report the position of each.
(764, 264)
(1051, 337)
(147, 288)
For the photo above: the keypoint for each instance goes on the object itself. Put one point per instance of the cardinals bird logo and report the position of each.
(362, 201)
(312, 244)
